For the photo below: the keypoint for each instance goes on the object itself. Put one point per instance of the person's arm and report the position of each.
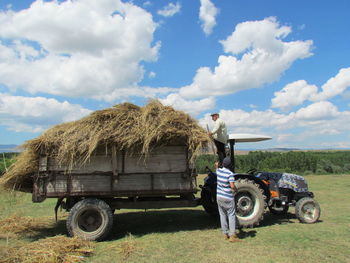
(216, 127)
(232, 183)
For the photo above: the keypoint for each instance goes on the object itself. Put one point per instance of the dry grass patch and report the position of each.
(56, 249)
(125, 249)
(22, 225)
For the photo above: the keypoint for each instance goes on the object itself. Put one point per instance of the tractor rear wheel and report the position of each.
(307, 210)
(250, 203)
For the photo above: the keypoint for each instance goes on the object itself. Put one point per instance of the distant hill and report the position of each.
(8, 148)
(281, 149)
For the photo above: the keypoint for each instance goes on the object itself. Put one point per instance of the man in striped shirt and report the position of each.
(226, 201)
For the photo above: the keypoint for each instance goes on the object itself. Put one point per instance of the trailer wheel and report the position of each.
(307, 210)
(250, 203)
(90, 219)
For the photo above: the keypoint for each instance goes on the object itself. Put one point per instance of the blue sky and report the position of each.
(279, 68)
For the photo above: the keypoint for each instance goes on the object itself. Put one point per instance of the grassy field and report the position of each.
(190, 235)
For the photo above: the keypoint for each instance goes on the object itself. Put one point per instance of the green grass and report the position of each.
(190, 235)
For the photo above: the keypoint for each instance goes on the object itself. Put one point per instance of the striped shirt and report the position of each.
(223, 189)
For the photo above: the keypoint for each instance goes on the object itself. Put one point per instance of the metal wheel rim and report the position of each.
(89, 220)
(308, 211)
(245, 204)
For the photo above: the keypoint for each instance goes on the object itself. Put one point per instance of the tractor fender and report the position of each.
(256, 180)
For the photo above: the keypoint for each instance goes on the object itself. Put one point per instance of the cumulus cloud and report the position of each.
(300, 91)
(259, 56)
(207, 16)
(170, 9)
(89, 48)
(322, 110)
(193, 107)
(302, 126)
(293, 94)
(334, 86)
(35, 114)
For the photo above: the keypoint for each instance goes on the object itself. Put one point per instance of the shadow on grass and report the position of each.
(272, 219)
(164, 221)
(140, 223)
(57, 228)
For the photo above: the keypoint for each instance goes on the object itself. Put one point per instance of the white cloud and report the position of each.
(82, 48)
(303, 128)
(147, 3)
(322, 110)
(170, 9)
(252, 106)
(293, 94)
(299, 91)
(193, 107)
(334, 86)
(265, 57)
(35, 114)
(207, 16)
(152, 75)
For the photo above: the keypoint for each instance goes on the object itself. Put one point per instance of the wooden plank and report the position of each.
(43, 163)
(127, 182)
(155, 204)
(164, 159)
(99, 163)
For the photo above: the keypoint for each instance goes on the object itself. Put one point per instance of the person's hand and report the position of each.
(210, 134)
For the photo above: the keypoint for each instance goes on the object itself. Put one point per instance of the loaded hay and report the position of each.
(129, 127)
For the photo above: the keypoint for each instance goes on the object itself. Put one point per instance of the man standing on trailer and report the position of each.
(219, 134)
(225, 196)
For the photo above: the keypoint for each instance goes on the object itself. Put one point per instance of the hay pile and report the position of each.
(56, 249)
(131, 128)
(18, 225)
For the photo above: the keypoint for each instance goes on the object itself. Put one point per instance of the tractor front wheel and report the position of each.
(307, 210)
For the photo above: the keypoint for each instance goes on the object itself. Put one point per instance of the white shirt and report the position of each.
(220, 132)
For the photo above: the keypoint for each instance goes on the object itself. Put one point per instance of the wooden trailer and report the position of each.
(114, 179)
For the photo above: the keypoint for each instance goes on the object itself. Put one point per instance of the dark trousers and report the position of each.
(220, 148)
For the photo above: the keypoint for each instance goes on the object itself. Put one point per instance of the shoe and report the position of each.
(234, 238)
(226, 237)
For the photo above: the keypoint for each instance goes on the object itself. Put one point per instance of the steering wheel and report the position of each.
(252, 171)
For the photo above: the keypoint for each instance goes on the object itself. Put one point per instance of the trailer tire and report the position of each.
(250, 203)
(90, 219)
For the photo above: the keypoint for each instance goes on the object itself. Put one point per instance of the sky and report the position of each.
(277, 68)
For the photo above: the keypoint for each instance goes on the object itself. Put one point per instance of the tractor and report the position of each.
(258, 190)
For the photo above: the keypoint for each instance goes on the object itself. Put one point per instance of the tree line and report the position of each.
(312, 162)
(317, 162)
(6, 159)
